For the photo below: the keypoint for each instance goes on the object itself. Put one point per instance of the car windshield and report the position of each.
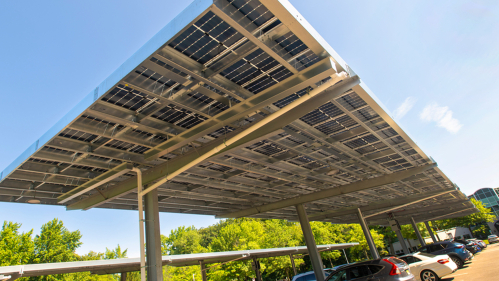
(426, 255)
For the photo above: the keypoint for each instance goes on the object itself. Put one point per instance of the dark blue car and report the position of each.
(456, 251)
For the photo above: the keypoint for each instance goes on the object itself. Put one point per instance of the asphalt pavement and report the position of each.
(483, 267)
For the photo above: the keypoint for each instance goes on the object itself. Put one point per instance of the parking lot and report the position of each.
(483, 267)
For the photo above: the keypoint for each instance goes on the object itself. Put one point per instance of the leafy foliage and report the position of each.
(15, 247)
(56, 243)
(482, 216)
(116, 253)
(247, 234)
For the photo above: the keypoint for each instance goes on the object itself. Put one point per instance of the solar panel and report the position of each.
(216, 71)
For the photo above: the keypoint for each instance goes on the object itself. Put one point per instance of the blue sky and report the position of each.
(433, 64)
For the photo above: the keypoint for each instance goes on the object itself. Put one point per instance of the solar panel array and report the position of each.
(206, 69)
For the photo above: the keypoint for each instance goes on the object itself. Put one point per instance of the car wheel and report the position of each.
(457, 261)
(428, 275)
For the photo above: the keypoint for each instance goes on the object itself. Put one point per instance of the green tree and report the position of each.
(240, 234)
(15, 248)
(389, 236)
(56, 243)
(183, 240)
(115, 253)
(280, 233)
(483, 216)
(354, 233)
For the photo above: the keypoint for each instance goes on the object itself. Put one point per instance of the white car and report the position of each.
(428, 267)
(493, 239)
(310, 275)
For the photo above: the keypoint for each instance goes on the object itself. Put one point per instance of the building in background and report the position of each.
(490, 198)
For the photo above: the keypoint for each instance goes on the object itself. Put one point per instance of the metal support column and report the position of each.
(345, 256)
(431, 232)
(293, 263)
(123, 276)
(203, 271)
(315, 256)
(256, 267)
(402, 241)
(418, 234)
(153, 238)
(141, 224)
(367, 234)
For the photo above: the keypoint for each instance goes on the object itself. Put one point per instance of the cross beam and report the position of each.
(95, 182)
(391, 204)
(319, 195)
(275, 121)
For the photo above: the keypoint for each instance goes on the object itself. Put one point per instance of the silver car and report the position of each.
(493, 239)
(387, 269)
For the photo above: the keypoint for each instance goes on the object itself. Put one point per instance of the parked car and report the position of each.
(387, 269)
(428, 267)
(456, 251)
(480, 243)
(470, 245)
(493, 239)
(310, 275)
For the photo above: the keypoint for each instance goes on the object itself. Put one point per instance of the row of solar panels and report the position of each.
(221, 67)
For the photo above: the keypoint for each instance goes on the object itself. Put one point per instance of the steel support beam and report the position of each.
(226, 12)
(269, 124)
(418, 234)
(293, 264)
(248, 106)
(256, 266)
(315, 256)
(153, 237)
(96, 182)
(385, 205)
(367, 234)
(431, 232)
(402, 241)
(438, 209)
(319, 195)
(203, 271)
(346, 258)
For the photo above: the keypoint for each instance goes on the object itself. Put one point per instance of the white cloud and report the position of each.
(402, 110)
(442, 115)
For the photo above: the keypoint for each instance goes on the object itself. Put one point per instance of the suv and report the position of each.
(456, 251)
(387, 269)
(470, 245)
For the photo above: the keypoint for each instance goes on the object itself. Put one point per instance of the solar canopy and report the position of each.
(133, 264)
(235, 108)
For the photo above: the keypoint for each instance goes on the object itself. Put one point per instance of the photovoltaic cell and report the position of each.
(77, 135)
(206, 38)
(179, 116)
(129, 99)
(214, 107)
(253, 10)
(306, 60)
(153, 81)
(291, 44)
(169, 67)
(256, 72)
(352, 101)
